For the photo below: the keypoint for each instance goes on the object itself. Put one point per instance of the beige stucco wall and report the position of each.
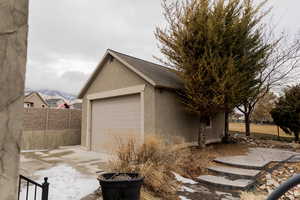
(49, 139)
(45, 128)
(13, 52)
(114, 75)
(174, 122)
(216, 131)
(36, 100)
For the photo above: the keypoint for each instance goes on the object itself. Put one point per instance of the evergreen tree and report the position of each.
(281, 68)
(218, 50)
(286, 113)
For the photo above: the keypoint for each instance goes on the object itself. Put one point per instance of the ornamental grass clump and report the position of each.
(154, 160)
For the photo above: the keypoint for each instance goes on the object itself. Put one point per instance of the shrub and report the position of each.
(154, 160)
(286, 113)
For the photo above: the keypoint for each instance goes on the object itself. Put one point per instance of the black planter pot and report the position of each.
(121, 189)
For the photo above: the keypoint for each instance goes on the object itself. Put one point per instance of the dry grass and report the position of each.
(256, 128)
(154, 160)
(252, 196)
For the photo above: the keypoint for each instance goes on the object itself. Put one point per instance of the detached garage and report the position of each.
(128, 97)
(122, 118)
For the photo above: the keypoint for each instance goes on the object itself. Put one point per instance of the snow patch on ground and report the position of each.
(183, 180)
(66, 183)
(186, 189)
(183, 198)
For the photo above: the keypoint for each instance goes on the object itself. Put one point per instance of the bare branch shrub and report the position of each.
(154, 160)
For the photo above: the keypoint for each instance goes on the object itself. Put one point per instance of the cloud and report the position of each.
(69, 37)
(50, 76)
(88, 28)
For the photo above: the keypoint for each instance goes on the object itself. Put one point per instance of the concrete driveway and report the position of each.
(71, 170)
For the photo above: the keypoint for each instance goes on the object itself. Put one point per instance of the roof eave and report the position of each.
(42, 99)
(94, 73)
(146, 78)
(38, 94)
(168, 87)
(100, 65)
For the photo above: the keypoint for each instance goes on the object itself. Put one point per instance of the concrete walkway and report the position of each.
(71, 170)
(240, 172)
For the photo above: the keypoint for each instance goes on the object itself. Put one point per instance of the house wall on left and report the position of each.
(13, 52)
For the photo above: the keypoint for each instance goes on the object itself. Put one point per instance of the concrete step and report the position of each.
(225, 183)
(235, 172)
(245, 162)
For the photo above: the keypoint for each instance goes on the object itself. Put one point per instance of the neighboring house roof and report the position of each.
(157, 75)
(32, 93)
(53, 102)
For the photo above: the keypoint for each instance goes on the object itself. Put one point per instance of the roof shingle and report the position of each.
(161, 75)
(157, 75)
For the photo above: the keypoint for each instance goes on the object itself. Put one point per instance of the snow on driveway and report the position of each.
(66, 183)
(71, 171)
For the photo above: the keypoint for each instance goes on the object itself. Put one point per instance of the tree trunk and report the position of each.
(296, 137)
(226, 127)
(201, 135)
(247, 125)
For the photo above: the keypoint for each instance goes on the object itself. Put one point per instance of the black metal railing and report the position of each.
(283, 188)
(44, 188)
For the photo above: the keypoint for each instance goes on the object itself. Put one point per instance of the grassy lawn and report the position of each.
(257, 128)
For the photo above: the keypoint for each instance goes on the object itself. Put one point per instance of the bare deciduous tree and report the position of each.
(263, 107)
(282, 66)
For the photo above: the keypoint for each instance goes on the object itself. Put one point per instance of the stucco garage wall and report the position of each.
(50, 128)
(172, 119)
(216, 131)
(114, 75)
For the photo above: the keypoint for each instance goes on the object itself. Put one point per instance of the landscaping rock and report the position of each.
(270, 182)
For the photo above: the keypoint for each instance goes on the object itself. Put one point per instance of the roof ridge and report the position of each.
(162, 66)
(38, 94)
(155, 74)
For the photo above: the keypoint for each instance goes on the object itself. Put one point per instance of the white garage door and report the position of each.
(115, 119)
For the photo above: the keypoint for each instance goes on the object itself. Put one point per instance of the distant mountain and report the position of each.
(51, 94)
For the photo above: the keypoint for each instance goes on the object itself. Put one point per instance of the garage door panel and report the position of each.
(115, 119)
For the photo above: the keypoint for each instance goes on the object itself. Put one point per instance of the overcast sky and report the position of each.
(67, 38)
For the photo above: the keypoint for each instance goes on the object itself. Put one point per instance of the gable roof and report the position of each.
(32, 93)
(157, 75)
